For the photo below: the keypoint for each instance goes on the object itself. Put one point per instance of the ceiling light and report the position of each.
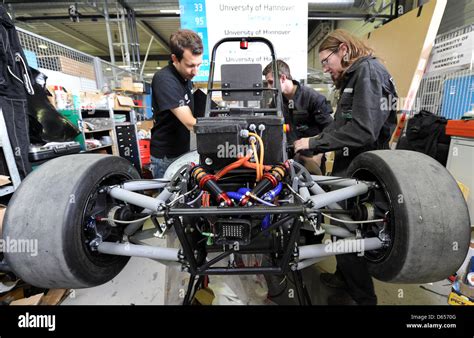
(149, 74)
(43, 46)
(108, 68)
(158, 67)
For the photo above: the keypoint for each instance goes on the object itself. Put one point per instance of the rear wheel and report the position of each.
(55, 207)
(427, 228)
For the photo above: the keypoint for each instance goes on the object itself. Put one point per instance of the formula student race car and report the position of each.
(402, 210)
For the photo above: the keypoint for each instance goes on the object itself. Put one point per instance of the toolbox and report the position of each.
(52, 150)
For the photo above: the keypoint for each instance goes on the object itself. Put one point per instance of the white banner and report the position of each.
(282, 22)
(454, 52)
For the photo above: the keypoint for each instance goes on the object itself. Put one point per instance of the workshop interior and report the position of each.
(217, 152)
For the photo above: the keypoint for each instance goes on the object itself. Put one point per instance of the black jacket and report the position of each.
(365, 115)
(15, 83)
(308, 113)
(15, 75)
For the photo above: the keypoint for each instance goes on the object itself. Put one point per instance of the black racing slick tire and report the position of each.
(428, 225)
(52, 208)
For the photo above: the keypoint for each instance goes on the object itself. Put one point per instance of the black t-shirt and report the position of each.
(170, 137)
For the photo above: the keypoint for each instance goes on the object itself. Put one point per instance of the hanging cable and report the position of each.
(353, 222)
(180, 196)
(255, 155)
(124, 222)
(262, 152)
(196, 199)
(258, 199)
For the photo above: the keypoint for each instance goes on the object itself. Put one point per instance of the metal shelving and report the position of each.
(96, 131)
(76, 71)
(102, 147)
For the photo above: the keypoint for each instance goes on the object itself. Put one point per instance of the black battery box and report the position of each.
(220, 140)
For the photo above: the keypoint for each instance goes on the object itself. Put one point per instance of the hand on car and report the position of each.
(301, 144)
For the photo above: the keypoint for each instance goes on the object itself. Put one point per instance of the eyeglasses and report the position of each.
(325, 61)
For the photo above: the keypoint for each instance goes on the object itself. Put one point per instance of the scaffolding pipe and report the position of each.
(337, 231)
(335, 181)
(136, 199)
(323, 200)
(304, 192)
(125, 38)
(109, 34)
(339, 247)
(146, 55)
(132, 38)
(144, 185)
(137, 39)
(133, 250)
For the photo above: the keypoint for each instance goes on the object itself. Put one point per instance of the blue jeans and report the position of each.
(158, 166)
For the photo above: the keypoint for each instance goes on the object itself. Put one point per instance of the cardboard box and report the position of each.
(127, 84)
(87, 71)
(123, 103)
(138, 87)
(67, 66)
(57, 63)
(145, 125)
(92, 100)
(120, 102)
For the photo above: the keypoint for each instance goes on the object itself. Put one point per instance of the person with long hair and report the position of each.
(364, 120)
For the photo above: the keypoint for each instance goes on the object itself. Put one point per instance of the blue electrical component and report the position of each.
(266, 222)
(243, 191)
(270, 195)
(235, 195)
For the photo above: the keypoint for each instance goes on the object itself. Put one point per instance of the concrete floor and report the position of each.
(147, 282)
(141, 282)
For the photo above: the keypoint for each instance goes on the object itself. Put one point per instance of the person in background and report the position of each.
(308, 113)
(304, 109)
(172, 101)
(361, 123)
